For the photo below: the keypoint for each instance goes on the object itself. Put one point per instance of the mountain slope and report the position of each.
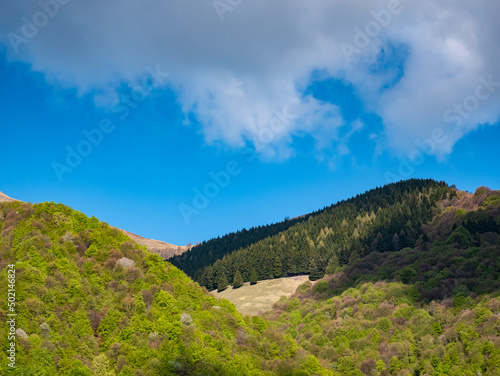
(210, 251)
(457, 254)
(379, 329)
(5, 198)
(429, 310)
(384, 219)
(89, 301)
(163, 249)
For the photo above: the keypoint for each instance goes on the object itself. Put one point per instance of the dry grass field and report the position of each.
(250, 300)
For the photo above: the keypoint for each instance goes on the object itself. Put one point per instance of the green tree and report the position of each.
(278, 269)
(396, 242)
(316, 272)
(333, 264)
(238, 280)
(222, 283)
(253, 277)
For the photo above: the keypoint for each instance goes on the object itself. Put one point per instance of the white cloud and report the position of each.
(232, 75)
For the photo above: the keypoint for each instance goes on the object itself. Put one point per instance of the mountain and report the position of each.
(90, 301)
(5, 198)
(407, 283)
(385, 219)
(210, 251)
(432, 309)
(163, 249)
(458, 252)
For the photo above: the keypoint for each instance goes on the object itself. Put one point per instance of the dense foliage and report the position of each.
(381, 220)
(441, 317)
(457, 254)
(91, 302)
(379, 329)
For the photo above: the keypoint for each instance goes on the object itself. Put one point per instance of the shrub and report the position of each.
(320, 287)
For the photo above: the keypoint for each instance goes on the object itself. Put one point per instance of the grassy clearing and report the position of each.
(250, 300)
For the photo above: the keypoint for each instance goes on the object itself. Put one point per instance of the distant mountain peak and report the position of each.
(5, 198)
(165, 250)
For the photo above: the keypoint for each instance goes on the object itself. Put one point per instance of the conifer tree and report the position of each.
(253, 277)
(316, 272)
(396, 242)
(238, 280)
(278, 272)
(222, 284)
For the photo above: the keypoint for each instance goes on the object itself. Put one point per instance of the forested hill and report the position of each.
(89, 301)
(429, 310)
(383, 219)
(210, 251)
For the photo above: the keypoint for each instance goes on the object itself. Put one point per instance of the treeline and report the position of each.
(210, 251)
(385, 219)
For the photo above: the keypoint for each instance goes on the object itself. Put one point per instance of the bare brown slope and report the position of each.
(5, 198)
(165, 250)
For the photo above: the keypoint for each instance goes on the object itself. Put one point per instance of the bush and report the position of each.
(320, 287)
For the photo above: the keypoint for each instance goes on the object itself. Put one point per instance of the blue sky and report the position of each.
(284, 133)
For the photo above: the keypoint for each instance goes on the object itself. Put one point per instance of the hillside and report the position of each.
(210, 251)
(425, 301)
(385, 219)
(161, 248)
(433, 309)
(89, 301)
(5, 198)
(458, 253)
(380, 329)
